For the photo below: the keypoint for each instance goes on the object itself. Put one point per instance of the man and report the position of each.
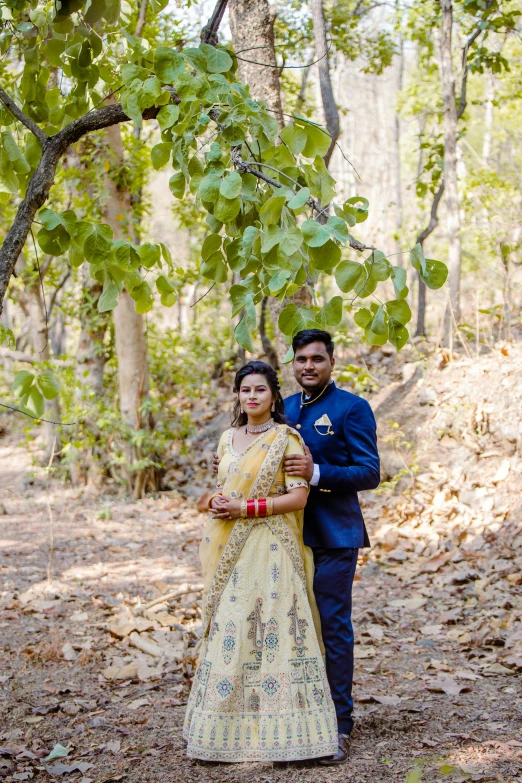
(341, 460)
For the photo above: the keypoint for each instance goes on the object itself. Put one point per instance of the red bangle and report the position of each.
(251, 508)
(261, 507)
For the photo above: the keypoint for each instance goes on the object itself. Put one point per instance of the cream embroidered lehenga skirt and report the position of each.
(260, 691)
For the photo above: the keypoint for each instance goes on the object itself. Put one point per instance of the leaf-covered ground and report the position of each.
(438, 607)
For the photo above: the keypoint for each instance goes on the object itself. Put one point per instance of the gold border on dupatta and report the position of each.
(242, 528)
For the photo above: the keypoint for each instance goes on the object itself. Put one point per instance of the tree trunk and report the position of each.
(90, 357)
(331, 113)
(33, 306)
(252, 25)
(397, 152)
(131, 346)
(450, 168)
(488, 117)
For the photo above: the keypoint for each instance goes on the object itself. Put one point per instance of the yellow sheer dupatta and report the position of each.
(252, 475)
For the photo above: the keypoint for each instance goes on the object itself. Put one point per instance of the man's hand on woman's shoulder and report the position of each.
(301, 465)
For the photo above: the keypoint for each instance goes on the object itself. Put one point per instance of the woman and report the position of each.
(260, 692)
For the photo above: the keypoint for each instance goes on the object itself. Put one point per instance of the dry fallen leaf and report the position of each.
(446, 684)
(137, 703)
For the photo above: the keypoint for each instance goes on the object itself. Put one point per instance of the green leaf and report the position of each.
(357, 206)
(332, 313)
(98, 244)
(226, 209)
(376, 339)
(295, 138)
(168, 64)
(160, 154)
(337, 229)
(399, 277)
(168, 116)
(143, 298)
(49, 219)
(314, 234)
(348, 275)
(378, 324)
(211, 245)
(326, 257)
(299, 200)
(195, 57)
(167, 290)
(209, 187)
(33, 402)
(231, 185)
(23, 381)
(48, 384)
(55, 242)
(417, 258)
(270, 212)
(399, 310)
(242, 335)
(271, 237)
(291, 320)
(112, 11)
(363, 317)
(292, 241)
(325, 180)
(288, 357)
(177, 184)
(214, 268)
(397, 334)
(436, 274)
(317, 141)
(7, 337)
(278, 281)
(149, 254)
(217, 60)
(380, 266)
(238, 296)
(108, 299)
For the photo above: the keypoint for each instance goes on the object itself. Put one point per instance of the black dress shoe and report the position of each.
(342, 754)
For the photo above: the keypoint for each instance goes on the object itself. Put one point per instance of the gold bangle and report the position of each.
(256, 509)
(243, 509)
(269, 507)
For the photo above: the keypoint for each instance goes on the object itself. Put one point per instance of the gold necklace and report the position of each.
(315, 398)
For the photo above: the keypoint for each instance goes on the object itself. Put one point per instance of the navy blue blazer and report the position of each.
(348, 462)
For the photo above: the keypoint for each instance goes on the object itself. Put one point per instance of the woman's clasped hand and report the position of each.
(223, 507)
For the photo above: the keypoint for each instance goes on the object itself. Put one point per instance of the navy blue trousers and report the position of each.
(333, 580)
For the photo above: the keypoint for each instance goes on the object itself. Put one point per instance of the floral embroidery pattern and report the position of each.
(224, 688)
(298, 626)
(229, 641)
(213, 630)
(275, 573)
(271, 686)
(271, 639)
(257, 629)
(235, 577)
(274, 547)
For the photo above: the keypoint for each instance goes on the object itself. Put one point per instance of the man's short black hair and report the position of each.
(307, 336)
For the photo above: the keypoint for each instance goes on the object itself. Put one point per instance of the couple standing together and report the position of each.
(275, 670)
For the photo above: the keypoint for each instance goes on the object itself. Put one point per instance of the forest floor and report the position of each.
(437, 605)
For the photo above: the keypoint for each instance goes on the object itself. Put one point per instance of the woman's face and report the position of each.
(255, 395)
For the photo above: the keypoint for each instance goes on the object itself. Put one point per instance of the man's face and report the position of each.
(313, 367)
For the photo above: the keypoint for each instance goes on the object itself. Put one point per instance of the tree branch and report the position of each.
(434, 220)
(209, 34)
(24, 119)
(142, 18)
